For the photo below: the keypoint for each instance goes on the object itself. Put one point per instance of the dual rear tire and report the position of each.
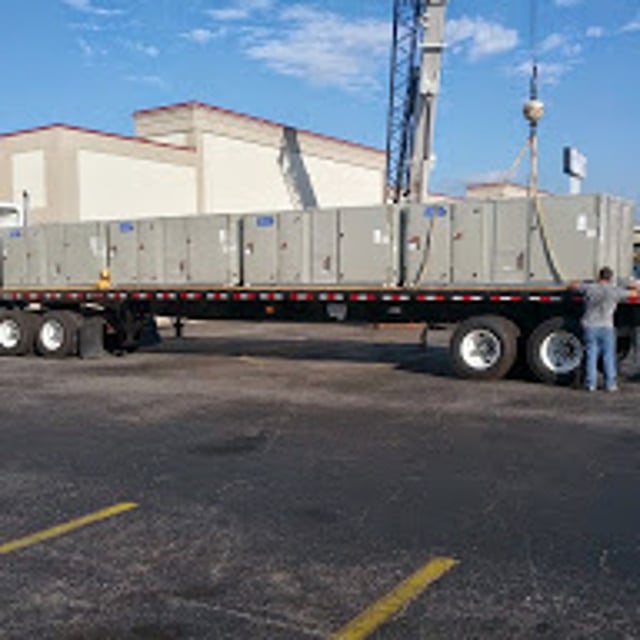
(487, 348)
(484, 347)
(52, 335)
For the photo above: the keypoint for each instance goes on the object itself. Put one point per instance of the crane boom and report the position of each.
(418, 40)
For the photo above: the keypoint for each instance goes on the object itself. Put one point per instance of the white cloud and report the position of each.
(559, 43)
(203, 36)
(90, 52)
(146, 49)
(239, 10)
(488, 177)
(479, 38)
(551, 42)
(549, 73)
(87, 6)
(149, 81)
(595, 32)
(322, 47)
(632, 26)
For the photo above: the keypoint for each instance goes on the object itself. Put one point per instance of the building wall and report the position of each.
(249, 164)
(40, 163)
(73, 174)
(119, 186)
(185, 159)
(241, 176)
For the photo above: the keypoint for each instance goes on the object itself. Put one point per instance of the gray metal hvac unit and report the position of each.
(466, 242)
(517, 241)
(355, 246)
(325, 231)
(426, 249)
(5, 237)
(123, 252)
(276, 248)
(54, 255)
(193, 250)
(369, 243)
(573, 236)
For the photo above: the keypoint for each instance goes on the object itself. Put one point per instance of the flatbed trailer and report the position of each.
(495, 327)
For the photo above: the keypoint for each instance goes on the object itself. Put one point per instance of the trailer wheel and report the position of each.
(484, 347)
(555, 351)
(57, 335)
(16, 332)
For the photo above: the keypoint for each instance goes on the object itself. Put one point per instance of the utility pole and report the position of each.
(425, 109)
(418, 41)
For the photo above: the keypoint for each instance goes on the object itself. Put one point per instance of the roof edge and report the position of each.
(195, 104)
(95, 132)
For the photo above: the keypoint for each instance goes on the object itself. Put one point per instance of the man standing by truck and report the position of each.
(601, 299)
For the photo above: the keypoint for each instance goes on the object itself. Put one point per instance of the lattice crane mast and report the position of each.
(418, 40)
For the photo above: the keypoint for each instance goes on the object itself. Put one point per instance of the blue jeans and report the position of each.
(600, 341)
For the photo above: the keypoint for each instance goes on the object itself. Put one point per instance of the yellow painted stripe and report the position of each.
(66, 527)
(378, 613)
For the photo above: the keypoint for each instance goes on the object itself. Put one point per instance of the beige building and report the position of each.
(491, 190)
(184, 159)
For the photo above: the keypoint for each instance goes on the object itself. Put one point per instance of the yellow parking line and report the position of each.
(66, 527)
(378, 613)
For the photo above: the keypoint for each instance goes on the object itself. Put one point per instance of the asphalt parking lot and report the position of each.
(288, 482)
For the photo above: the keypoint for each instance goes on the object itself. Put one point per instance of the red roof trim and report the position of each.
(94, 132)
(194, 104)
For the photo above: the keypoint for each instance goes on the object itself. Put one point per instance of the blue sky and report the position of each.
(322, 66)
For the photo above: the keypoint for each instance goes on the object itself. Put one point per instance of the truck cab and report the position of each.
(10, 215)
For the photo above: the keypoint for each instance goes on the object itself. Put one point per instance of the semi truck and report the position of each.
(497, 270)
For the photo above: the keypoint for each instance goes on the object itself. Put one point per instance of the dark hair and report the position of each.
(605, 274)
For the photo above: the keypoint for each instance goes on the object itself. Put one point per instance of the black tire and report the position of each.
(16, 332)
(484, 347)
(57, 335)
(554, 351)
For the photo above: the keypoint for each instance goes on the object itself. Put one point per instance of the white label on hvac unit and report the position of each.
(379, 237)
(222, 237)
(591, 234)
(581, 222)
(97, 246)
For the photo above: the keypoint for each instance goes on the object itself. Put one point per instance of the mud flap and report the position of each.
(91, 338)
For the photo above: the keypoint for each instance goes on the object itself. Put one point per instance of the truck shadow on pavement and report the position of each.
(410, 357)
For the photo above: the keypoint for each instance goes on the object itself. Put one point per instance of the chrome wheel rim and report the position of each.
(481, 349)
(561, 352)
(52, 335)
(9, 333)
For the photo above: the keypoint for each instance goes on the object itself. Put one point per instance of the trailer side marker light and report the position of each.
(272, 297)
(331, 297)
(545, 299)
(505, 298)
(244, 297)
(378, 613)
(362, 297)
(467, 298)
(301, 297)
(430, 298)
(395, 297)
(66, 527)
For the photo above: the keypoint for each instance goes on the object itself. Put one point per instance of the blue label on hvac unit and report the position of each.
(264, 221)
(125, 227)
(430, 212)
(15, 233)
